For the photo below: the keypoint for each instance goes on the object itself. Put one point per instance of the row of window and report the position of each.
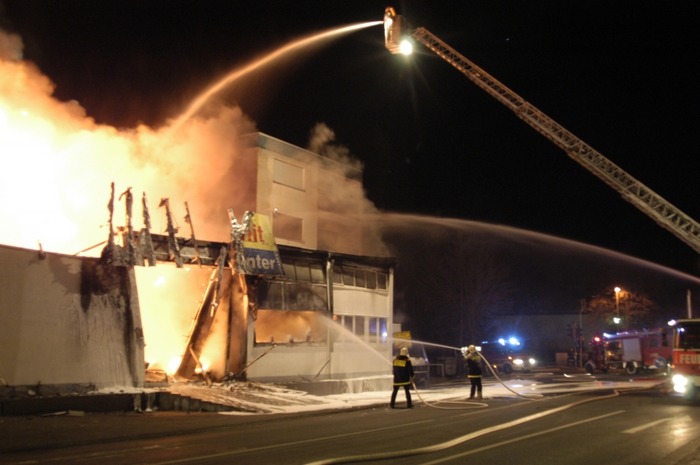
(294, 327)
(356, 277)
(342, 275)
(367, 328)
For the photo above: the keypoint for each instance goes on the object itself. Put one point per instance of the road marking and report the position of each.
(522, 438)
(637, 429)
(466, 437)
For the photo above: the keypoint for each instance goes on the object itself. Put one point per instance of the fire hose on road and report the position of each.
(461, 404)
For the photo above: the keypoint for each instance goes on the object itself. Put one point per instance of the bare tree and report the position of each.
(455, 287)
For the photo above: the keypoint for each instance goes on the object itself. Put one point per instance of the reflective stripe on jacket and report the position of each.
(403, 370)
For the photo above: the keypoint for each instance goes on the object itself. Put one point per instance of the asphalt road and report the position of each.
(638, 428)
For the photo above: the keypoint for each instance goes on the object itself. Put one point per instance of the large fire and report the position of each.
(58, 164)
(55, 177)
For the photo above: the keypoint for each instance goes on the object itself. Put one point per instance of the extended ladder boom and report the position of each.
(655, 206)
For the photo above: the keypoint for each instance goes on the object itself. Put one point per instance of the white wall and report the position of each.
(65, 320)
(358, 301)
(298, 202)
(303, 362)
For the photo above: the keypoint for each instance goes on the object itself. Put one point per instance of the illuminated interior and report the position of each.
(289, 326)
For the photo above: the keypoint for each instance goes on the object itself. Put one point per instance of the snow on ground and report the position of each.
(257, 398)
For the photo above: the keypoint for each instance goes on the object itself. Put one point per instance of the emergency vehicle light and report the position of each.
(680, 384)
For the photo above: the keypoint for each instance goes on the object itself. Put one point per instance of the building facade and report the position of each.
(179, 306)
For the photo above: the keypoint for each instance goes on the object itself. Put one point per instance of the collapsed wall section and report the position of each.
(68, 321)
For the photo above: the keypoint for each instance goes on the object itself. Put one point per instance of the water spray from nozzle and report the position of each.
(395, 37)
(200, 100)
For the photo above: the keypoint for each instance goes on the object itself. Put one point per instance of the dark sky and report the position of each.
(621, 75)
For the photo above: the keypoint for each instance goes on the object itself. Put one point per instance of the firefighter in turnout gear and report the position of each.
(474, 371)
(403, 376)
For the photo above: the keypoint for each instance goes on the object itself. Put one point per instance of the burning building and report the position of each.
(274, 274)
(292, 296)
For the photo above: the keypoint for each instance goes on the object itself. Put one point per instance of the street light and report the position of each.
(616, 318)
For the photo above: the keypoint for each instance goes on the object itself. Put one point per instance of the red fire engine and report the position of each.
(686, 358)
(632, 351)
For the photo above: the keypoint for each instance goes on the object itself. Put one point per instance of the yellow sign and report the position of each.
(400, 336)
(259, 251)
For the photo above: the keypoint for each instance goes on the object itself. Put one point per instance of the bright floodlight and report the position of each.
(405, 47)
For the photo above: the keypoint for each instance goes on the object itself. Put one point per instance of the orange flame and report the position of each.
(57, 166)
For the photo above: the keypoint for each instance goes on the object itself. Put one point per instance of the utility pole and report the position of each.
(579, 333)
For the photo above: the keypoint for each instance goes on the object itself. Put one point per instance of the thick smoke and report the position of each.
(322, 142)
(11, 46)
(58, 165)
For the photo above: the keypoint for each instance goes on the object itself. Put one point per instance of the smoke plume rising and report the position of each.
(58, 164)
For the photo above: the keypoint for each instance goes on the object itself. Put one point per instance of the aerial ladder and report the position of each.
(639, 195)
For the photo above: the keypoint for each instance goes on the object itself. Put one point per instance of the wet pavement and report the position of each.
(120, 415)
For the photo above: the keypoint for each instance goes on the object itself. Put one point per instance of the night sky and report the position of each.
(621, 75)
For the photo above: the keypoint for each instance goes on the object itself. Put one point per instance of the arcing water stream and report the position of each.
(58, 144)
(197, 104)
(423, 225)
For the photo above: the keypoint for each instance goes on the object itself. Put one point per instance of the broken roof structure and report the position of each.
(297, 293)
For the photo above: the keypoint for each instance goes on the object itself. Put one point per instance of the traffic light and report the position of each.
(579, 332)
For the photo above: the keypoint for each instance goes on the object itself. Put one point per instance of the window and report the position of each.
(348, 276)
(346, 328)
(360, 278)
(371, 279)
(288, 174)
(303, 272)
(337, 274)
(359, 326)
(317, 274)
(688, 336)
(356, 277)
(349, 323)
(289, 271)
(382, 280)
(289, 327)
(370, 329)
(377, 330)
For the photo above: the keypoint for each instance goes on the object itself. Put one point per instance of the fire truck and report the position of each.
(632, 351)
(685, 367)
(506, 356)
